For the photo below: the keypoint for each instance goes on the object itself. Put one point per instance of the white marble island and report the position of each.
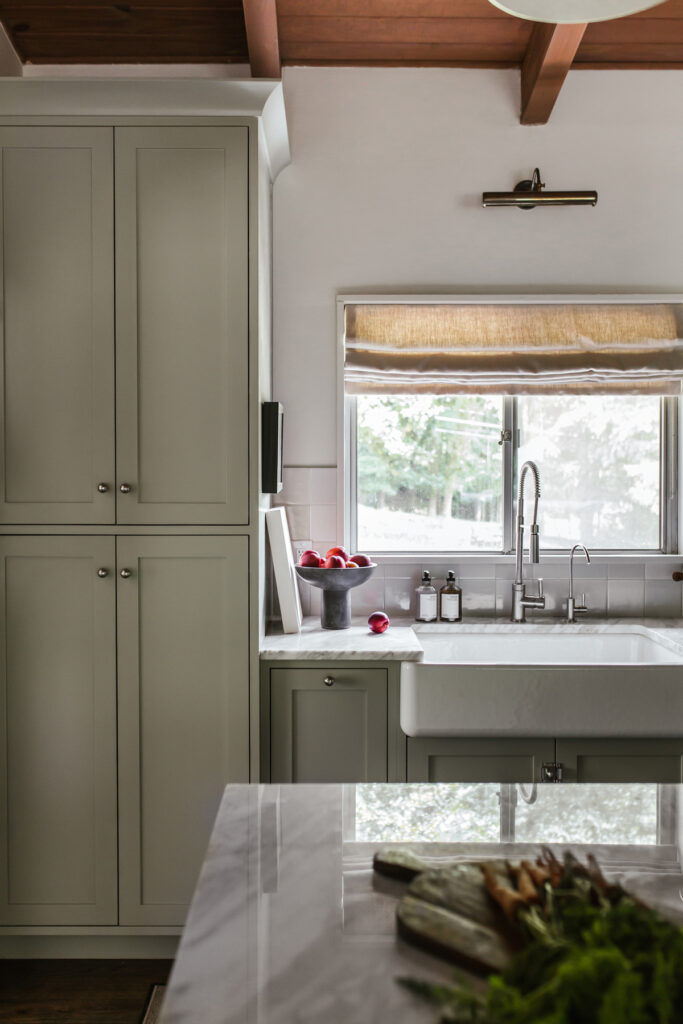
(288, 925)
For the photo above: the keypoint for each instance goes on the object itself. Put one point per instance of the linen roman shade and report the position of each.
(509, 349)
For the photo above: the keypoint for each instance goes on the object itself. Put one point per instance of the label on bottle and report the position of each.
(450, 607)
(427, 607)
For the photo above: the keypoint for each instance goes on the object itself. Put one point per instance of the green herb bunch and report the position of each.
(590, 954)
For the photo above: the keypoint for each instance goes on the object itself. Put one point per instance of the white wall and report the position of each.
(384, 189)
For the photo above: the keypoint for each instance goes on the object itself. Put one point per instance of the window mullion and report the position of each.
(509, 466)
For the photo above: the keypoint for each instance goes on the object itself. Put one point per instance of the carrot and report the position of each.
(507, 899)
(538, 873)
(525, 884)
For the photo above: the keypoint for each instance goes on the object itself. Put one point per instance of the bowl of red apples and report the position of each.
(335, 573)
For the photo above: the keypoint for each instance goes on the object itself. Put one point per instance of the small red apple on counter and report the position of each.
(360, 559)
(311, 559)
(378, 622)
(334, 562)
(341, 552)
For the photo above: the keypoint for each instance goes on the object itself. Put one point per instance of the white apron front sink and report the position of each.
(538, 680)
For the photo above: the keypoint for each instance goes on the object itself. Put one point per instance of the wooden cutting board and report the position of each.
(448, 911)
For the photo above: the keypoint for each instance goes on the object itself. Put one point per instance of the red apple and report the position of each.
(360, 559)
(378, 622)
(352, 565)
(342, 552)
(335, 562)
(311, 559)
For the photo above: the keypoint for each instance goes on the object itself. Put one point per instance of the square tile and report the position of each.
(297, 486)
(299, 521)
(625, 598)
(626, 570)
(662, 568)
(478, 597)
(399, 597)
(662, 599)
(323, 486)
(323, 521)
(368, 598)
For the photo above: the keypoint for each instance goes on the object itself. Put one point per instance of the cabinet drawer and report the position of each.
(328, 724)
(466, 760)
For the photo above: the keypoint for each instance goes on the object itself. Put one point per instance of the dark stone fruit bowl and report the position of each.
(335, 585)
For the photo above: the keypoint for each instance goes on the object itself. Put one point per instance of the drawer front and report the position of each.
(328, 724)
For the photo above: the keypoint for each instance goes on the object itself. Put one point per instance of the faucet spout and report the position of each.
(534, 555)
(520, 600)
(572, 607)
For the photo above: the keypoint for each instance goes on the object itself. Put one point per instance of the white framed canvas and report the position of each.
(283, 565)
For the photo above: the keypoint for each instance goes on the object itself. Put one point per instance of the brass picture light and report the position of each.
(530, 193)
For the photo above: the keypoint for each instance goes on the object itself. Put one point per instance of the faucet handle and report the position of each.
(540, 586)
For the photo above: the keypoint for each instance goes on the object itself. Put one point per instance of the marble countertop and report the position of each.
(401, 642)
(288, 925)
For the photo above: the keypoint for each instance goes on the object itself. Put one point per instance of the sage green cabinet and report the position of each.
(183, 711)
(57, 324)
(328, 724)
(182, 294)
(628, 760)
(58, 731)
(478, 760)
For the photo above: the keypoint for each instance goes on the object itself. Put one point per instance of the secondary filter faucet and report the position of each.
(574, 609)
(520, 600)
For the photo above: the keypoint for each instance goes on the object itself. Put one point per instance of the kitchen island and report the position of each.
(288, 923)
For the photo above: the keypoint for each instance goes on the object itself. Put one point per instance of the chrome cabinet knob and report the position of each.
(103, 488)
(125, 488)
(125, 573)
(102, 573)
(329, 680)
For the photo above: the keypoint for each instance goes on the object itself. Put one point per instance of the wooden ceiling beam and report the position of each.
(260, 19)
(548, 58)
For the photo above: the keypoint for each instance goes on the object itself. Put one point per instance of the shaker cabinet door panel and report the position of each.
(328, 732)
(182, 324)
(57, 323)
(58, 731)
(627, 760)
(183, 633)
(465, 760)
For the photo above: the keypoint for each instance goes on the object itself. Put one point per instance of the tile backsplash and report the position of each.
(630, 587)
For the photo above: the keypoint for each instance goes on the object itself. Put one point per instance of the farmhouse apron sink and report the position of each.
(533, 680)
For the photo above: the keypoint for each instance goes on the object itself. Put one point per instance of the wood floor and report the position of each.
(78, 991)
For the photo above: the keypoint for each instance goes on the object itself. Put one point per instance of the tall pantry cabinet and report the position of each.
(135, 333)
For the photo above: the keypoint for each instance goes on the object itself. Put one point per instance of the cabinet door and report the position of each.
(456, 760)
(58, 731)
(183, 623)
(328, 732)
(57, 324)
(182, 324)
(629, 760)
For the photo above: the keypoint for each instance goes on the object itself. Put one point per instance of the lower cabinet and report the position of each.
(171, 611)
(628, 760)
(58, 731)
(466, 760)
(183, 711)
(328, 724)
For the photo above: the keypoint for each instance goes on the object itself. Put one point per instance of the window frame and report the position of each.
(669, 498)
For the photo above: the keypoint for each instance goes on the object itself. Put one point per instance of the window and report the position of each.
(446, 398)
(434, 473)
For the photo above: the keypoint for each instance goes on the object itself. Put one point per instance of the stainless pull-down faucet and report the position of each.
(520, 601)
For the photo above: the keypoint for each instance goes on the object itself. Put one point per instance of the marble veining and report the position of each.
(288, 925)
(401, 642)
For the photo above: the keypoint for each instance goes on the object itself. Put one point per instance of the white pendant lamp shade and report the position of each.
(572, 12)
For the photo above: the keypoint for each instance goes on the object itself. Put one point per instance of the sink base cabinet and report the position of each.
(585, 760)
(455, 760)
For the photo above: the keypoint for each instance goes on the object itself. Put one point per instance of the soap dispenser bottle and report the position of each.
(450, 603)
(426, 599)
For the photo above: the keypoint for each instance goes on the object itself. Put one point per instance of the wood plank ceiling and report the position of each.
(375, 33)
